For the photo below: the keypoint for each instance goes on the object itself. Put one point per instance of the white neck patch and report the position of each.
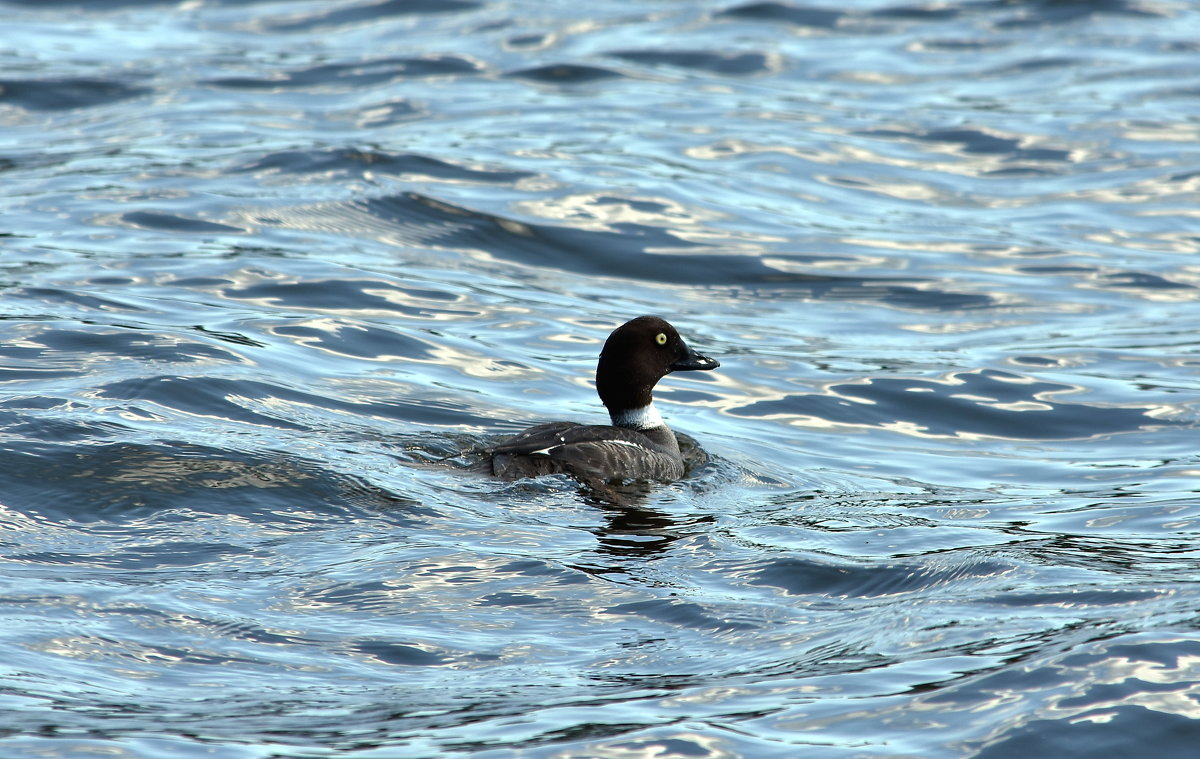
(644, 418)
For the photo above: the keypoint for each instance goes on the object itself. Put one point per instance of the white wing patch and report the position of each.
(562, 442)
(629, 443)
(546, 451)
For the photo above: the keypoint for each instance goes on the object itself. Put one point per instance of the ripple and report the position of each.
(259, 403)
(83, 299)
(365, 73)
(628, 251)
(798, 15)
(989, 403)
(159, 556)
(154, 220)
(66, 93)
(128, 344)
(727, 64)
(812, 578)
(177, 481)
(1047, 12)
(358, 296)
(402, 655)
(566, 74)
(356, 163)
(977, 142)
(370, 12)
(682, 614)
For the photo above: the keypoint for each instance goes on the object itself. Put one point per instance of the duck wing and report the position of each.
(589, 452)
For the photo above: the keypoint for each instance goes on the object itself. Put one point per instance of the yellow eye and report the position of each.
(661, 338)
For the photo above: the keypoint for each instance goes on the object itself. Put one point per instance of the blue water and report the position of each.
(272, 270)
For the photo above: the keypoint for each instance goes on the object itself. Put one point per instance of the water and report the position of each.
(267, 264)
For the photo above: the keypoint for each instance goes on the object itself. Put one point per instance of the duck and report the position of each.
(638, 444)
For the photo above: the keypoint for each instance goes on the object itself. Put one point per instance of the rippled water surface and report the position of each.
(273, 270)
